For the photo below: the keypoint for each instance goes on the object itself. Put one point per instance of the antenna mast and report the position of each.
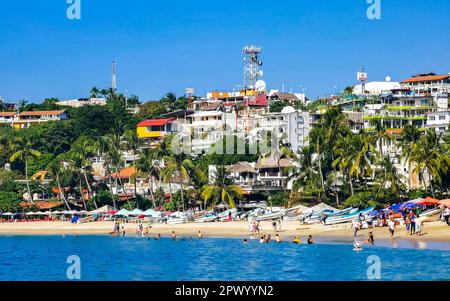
(252, 65)
(114, 79)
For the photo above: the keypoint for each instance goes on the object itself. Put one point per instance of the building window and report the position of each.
(442, 117)
(432, 118)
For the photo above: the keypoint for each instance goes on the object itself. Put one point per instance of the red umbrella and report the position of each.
(112, 211)
(446, 203)
(428, 201)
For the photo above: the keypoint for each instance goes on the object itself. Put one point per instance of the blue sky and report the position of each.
(163, 46)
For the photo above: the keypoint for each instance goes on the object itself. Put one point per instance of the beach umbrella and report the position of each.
(47, 213)
(123, 212)
(57, 212)
(30, 213)
(136, 212)
(8, 214)
(446, 203)
(428, 201)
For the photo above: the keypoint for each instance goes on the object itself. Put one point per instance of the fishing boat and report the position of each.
(177, 218)
(223, 216)
(269, 216)
(207, 217)
(348, 217)
(330, 214)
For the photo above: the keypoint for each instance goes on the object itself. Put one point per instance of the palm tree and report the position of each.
(22, 150)
(387, 178)
(345, 152)
(95, 92)
(317, 140)
(55, 169)
(380, 134)
(80, 155)
(222, 189)
(114, 156)
(363, 152)
(431, 157)
(409, 143)
(334, 123)
(178, 164)
(148, 163)
(132, 144)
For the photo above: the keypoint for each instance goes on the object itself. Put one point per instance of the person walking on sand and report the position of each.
(274, 225)
(355, 226)
(391, 225)
(412, 218)
(447, 215)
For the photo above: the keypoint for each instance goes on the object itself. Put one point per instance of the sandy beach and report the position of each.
(433, 232)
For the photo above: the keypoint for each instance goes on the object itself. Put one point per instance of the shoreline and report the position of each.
(436, 235)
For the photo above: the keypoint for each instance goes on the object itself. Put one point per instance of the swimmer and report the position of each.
(297, 240)
(357, 247)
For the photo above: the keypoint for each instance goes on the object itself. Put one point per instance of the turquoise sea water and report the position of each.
(132, 258)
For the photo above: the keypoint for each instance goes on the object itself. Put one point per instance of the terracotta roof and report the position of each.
(425, 78)
(8, 113)
(285, 96)
(154, 122)
(241, 167)
(125, 173)
(41, 204)
(273, 163)
(37, 113)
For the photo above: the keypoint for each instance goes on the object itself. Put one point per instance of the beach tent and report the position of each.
(152, 213)
(47, 213)
(123, 212)
(412, 205)
(446, 203)
(136, 212)
(102, 210)
(299, 209)
(30, 213)
(320, 208)
(8, 214)
(39, 213)
(428, 201)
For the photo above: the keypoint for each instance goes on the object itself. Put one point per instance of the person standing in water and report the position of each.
(200, 234)
(277, 238)
(174, 236)
(310, 240)
(370, 240)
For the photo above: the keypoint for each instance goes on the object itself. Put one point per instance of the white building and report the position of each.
(376, 88)
(438, 120)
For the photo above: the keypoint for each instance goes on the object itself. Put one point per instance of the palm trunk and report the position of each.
(321, 174)
(82, 195)
(89, 189)
(27, 181)
(61, 193)
(182, 195)
(351, 184)
(122, 186)
(152, 196)
(410, 176)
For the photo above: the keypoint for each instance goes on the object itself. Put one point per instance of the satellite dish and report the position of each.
(388, 78)
(260, 73)
(260, 86)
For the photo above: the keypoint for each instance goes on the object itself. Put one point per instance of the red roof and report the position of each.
(154, 122)
(7, 113)
(419, 79)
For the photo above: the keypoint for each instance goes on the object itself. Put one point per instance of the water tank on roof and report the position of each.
(287, 110)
